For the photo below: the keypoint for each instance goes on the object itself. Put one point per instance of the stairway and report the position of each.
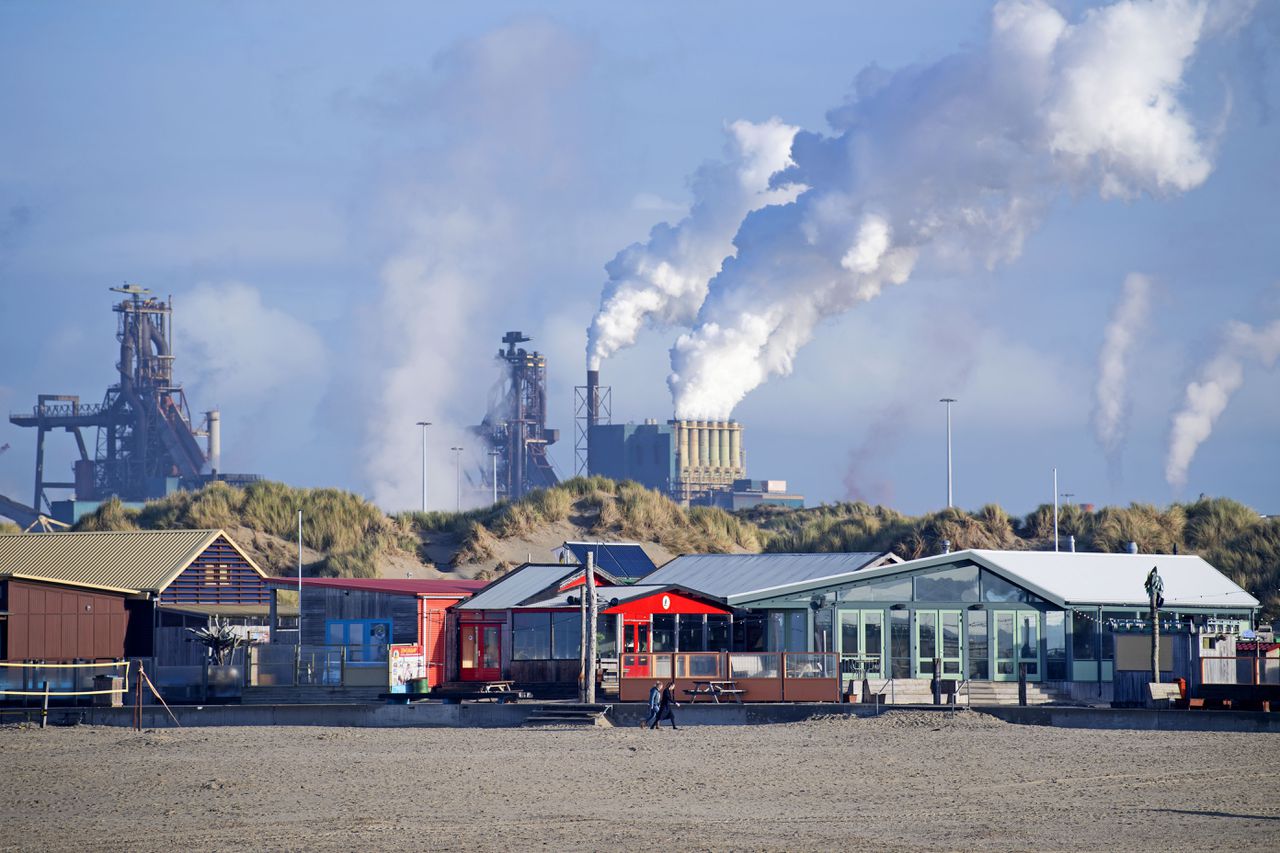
(1006, 693)
(569, 714)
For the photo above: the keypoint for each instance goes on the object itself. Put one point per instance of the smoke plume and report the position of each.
(1111, 394)
(948, 164)
(665, 280)
(1207, 396)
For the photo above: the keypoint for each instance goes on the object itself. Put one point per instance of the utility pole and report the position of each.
(1055, 509)
(948, 401)
(424, 425)
(582, 644)
(1155, 591)
(457, 478)
(590, 592)
(494, 454)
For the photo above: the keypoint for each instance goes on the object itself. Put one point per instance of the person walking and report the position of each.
(655, 699)
(666, 703)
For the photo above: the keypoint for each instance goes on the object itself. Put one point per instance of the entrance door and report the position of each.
(938, 637)
(481, 653)
(1017, 642)
(635, 643)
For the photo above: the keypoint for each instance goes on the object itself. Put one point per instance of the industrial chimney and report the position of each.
(213, 421)
(593, 398)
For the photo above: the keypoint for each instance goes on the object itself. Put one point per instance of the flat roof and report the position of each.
(734, 575)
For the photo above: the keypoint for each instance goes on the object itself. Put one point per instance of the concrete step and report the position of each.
(569, 714)
(310, 695)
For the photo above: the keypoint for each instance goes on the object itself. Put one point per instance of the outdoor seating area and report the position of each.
(739, 676)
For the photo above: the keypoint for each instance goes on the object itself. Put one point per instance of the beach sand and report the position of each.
(907, 780)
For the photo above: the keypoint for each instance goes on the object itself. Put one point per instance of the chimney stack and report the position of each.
(593, 398)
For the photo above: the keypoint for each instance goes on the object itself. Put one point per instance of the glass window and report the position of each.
(566, 636)
(900, 643)
(664, 632)
(996, 588)
(777, 630)
(692, 636)
(607, 635)
(1084, 635)
(888, 590)
(797, 630)
(1055, 645)
(531, 636)
(1106, 637)
(1005, 630)
(823, 639)
(927, 629)
(849, 633)
(979, 662)
(951, 635)
(959, 584)
(873, 624)
(750, 633)
(718, 626)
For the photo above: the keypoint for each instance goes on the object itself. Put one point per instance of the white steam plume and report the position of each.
(1111, 394)
(1207, 396)
(665, 280)
(950, 163)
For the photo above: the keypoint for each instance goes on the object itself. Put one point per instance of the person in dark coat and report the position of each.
(666, 704)
(655, 700)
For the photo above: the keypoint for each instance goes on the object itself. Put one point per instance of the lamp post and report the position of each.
(494, 454)
(457, 478)
(948, 401)
(424, 425)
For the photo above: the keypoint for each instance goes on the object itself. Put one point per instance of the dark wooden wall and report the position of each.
(52, 623)
(218, 576)
(320, 604)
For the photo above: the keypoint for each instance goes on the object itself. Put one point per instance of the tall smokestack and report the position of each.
(214, 424)
(593, 398)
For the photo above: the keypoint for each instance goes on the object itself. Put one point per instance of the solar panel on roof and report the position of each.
(619, 560)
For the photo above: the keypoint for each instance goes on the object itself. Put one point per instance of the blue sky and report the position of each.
(350, 206)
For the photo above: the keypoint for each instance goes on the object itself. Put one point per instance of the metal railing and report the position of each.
(279, 664)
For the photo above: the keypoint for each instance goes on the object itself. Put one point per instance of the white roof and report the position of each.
(1076, 577)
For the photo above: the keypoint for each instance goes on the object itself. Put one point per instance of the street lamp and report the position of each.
(457, 478)
(494, 454)
(424, 425)
(948, 401)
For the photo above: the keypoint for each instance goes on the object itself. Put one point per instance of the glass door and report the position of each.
(1017, 643)
(480, 653)
(635, 647)
(938, 639)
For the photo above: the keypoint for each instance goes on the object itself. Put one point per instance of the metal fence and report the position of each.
(275, 665)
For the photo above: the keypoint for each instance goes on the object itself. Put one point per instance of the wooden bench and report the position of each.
(715, 689)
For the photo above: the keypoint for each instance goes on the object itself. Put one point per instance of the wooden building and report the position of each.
(118, 594)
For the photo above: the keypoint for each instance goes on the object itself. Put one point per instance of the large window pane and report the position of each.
(692, 637)
(823, 636)
(1055, 645)
(607, 635)
(531, 636)
(960, 584)
(664, 632)
(566, 636)
(718, 632)
(777, 630)
(849, 632)
(900, 643)
(797, 629)
(873, 624)
(951, 635)
(979, 662)
(927, 630)
(1084, 635)
(888, 590)
(750, 633)
(996, 588)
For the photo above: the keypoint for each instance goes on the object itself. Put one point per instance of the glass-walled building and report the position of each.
(987, 615)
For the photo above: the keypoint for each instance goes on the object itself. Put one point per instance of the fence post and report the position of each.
(342, 666)
(937, 681)
(1022, 683)
(44, 709)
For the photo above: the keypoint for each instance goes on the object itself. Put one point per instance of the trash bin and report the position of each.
(108, 682)
(419, 685)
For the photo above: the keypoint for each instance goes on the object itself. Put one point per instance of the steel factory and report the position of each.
(147, 444)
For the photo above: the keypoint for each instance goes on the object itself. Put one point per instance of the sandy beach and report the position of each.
(903, 781)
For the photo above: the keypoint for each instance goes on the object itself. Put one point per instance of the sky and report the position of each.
(351, 204)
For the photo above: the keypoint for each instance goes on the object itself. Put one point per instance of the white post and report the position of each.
(424, 425)
(590, 592)
(299, 646)
(948, 401)
(457, 478)
(495, 455)
(1055, 509)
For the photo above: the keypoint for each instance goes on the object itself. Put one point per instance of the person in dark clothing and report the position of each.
(655, 699)
(665, 705)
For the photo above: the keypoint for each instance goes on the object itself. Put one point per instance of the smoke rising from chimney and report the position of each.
(948, 164)
(1207, 396)
(1111, 394)
(665, 280)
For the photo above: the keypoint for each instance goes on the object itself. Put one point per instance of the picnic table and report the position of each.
(714, 690)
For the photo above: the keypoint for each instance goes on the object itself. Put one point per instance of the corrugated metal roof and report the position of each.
(620, 559)
(124, 561)
(725, 575)
(606, 593)
(1081, 578)
(394, 586)
(514, 587)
